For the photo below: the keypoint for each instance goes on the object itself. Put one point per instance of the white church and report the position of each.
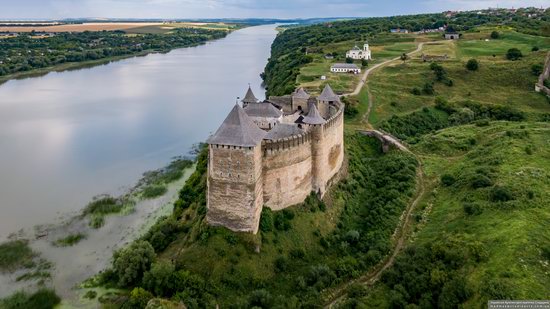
(357, 53)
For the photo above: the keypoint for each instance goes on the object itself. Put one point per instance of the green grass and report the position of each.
(512, 235)
(497, 82)
(42, 299)
(16, 254)
(70, 240)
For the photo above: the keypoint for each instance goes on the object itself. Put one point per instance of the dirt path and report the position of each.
(401, 231)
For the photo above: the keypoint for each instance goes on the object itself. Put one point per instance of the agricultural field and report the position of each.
(497, 81)
(129, 27)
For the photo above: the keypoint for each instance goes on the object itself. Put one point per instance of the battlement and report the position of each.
(278, 167)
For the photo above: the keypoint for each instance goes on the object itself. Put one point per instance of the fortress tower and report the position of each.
(273, 154)
(235, 192)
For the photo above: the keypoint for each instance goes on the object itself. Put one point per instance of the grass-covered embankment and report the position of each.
(482, 232)
(298, 253)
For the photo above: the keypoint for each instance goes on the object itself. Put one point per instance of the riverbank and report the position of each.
(74, 264)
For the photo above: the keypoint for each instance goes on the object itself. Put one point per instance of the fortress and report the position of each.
(274, 154)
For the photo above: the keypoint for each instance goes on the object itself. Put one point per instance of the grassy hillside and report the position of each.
(482, 232)
(498, 81)
(298, 253)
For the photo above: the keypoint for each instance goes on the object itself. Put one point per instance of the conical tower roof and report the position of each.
(300, 93)
(237, 130)
(328, 94)
(249, 97)
(313, 117)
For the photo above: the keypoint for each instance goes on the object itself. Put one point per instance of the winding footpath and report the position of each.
(401, 232)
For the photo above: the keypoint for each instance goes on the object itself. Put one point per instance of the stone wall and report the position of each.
(334, 145)
(235, 187)
(287, 171)
(539, 86)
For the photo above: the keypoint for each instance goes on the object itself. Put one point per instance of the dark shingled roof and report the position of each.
(328, 94)
(264, 109)
(237, 130)
(313, 117)
(300, 94)
(249, 97)
(283, 130)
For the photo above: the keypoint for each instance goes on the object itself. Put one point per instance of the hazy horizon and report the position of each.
(239, 9)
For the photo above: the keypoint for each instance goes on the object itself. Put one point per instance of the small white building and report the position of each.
(357, 53)
(345, 68)
(452, 36)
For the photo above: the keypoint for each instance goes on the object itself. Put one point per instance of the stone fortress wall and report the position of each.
(275, 173)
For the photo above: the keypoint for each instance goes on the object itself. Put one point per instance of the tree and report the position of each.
(535, 48)
(132, 262)
(404, 57)
(513, 54)
(364, 63)
(472, 65)
(536, 69)
(159, 279)
(349, 60)
(495, 35)
(428, 89)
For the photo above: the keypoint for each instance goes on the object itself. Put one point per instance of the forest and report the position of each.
(26, 52)
(288, 52)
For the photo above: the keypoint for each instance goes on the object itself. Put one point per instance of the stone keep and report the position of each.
(274, 154)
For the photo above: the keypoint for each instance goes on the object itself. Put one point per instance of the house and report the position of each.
(345, 68)
(357, 53)
(452, 36)
(399, 30)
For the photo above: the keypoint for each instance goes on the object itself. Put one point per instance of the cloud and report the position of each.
(240, 8)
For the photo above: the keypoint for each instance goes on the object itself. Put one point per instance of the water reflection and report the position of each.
(67, 136)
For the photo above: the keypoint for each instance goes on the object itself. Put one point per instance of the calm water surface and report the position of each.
(66, 137)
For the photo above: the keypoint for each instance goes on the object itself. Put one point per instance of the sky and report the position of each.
(58, 9)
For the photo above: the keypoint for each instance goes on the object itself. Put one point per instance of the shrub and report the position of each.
(97, 221)
(481, 181)
(297, 253)
(536, 69)
(535, 48)
(163, 233)
(448, 180)
(132, 262)
(514, 54)
(281, 222)
(153, 191)
(266, 220)
(70, 240)
(428, 89)
(281, 264)
(159, 279)
(90, 294)
(320, 276)
(472, 65)
(349, 60)
(15, 254)
(462, 116)
(42, 299)
(472, 209)
(416, 91)
(495, 35)
(260, 299)
(501, 194)
(103, 205)
(139, 298)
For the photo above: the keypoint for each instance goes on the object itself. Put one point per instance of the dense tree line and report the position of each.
(288, 52)
(26, 52)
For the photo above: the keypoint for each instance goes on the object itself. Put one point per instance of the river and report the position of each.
(68, 136)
